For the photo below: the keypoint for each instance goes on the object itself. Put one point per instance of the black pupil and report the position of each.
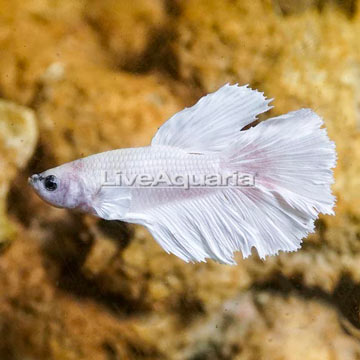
(50, 183)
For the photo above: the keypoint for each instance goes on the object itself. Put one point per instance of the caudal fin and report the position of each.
(291, 158)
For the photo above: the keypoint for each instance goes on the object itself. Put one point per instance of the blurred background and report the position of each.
(82, 76)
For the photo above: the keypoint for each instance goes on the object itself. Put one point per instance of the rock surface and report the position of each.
(288, 328)
(129, 28)
(100, 75)
(18, 136)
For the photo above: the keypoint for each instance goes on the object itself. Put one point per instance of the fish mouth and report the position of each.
(34, 179)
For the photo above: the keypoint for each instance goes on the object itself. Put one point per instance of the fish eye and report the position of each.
(50, 183)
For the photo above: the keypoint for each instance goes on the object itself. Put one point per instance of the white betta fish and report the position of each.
(290, 158)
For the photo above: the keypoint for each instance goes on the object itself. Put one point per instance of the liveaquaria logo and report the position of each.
(186, 181)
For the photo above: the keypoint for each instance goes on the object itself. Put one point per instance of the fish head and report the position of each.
(62, 186)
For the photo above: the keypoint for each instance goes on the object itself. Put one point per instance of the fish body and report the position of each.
(93, 171)
(166, 186)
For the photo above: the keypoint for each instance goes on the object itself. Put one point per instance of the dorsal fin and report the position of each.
(214, 121)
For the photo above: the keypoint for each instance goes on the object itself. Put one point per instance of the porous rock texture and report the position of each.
(99, 75)
(18, 136)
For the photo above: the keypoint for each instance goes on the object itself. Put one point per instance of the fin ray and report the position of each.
(112, 203)
(214, 121)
